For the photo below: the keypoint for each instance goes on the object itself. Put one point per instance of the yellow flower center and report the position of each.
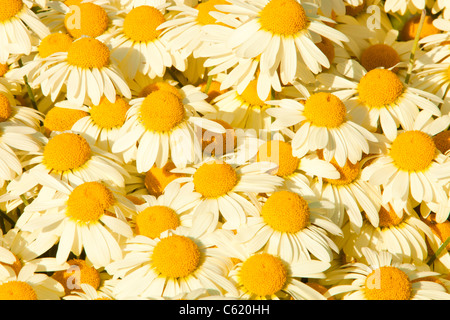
(442, 141)
(17, 290)
(280, 153)
(379, 55)
(141, 22)
(286, 211)
(205, 8)
(387, 283)
(161, 111)
(176, 256)
(55, 42)
(88, 202)
(215, 147)
(389, 218)
(283, 17)
(156, 179)
(413, 151)
(355, 10)
(5, 108)
(62, 119)
(86, 19)
(88, 53)
(250, 95)
(348, 173)
(161, 85)
(78, 272)
(4, 68)
(411, 27)
(263, 274)
(154, 220)
(66, 151)
(215, 179)
(441, 230)
(9, 9)
(16, 265)
(379, 88)
(325, 110)
(108, 115)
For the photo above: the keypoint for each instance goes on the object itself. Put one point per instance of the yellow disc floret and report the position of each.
(86, 19)
(204, 10)
(17, 290)
(160, 85)
(214, 179)
(62, 119)
(66, 151)
(283, 17)
(348, 173)
(280, 153)
(325, 110)
(79, 272)
(176, 256)
(286, 211)
(379, 88)
(411, 27)
(4, 68)
(54, 42)
(9, 8)
(5, 108)
(141, 22)
(108, 115)
(441, 230)
(387, 283)
(88, 53)
(379, 55)
(153, 220)
(156, 179)
(88, 202)
(161, 111)
(213, 90)
(413, 151)
(263, 274)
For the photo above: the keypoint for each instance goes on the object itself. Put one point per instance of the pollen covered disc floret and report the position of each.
(280, 153)
(387, 283)
(88, 53)
(325, 110)
(176, 256)
(215, 179)
(379, 88)
(17, 290)
(54, 42)
(156, 219)
(283, 17)
(10, 8)
(5, 108)
(66, 151)
(379, 55)
(413, 151)
(141, 22)
(86, 19)
(263, 274)
(108, 115)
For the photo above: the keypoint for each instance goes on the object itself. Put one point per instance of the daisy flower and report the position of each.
(89, 216)
(29, 285)
(265, 276)
(85, 71)
(324, 123)
(405, 236)
(283, 33)
(291, 226)
(383, 277)
(69, 157)
(60, 119)
(16, 21)
(138, 45)
(163, 124)
(168, 211)
(379, 98)
(178, 261)
(413, 168)
(225, 187)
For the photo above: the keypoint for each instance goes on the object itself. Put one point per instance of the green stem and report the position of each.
(438, 251)
(415, 46)
(7, 218)
(24, 199)
(208, 84)
(29, 89)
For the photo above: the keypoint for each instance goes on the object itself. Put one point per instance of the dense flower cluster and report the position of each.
(224, 149)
